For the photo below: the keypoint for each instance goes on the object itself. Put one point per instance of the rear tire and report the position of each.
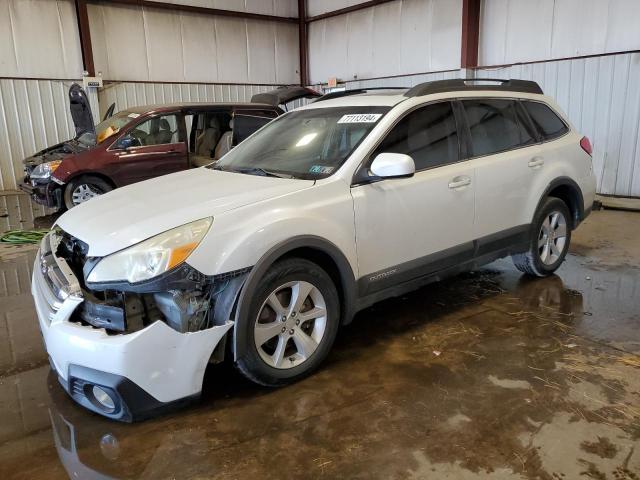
(550, 239)
(292, 324)
(84, 188)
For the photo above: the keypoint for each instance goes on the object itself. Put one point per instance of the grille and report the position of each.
(77, 387)
(56, 288)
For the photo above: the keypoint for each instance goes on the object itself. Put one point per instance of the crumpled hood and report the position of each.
(134, 213)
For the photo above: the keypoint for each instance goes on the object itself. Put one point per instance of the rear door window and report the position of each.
(494, 126)
(428, 135)
(545, 120)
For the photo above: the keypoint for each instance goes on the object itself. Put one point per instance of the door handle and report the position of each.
(459, 182)
(536, 162)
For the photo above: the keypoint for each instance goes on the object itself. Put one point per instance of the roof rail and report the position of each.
(345, 93)
(463, 84)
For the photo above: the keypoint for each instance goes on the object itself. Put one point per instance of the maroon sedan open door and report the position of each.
(152, 148)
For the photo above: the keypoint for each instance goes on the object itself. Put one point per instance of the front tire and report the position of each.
(83, 189)
(550, 238)
(292, 324)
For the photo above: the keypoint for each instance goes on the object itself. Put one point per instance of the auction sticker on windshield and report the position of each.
(360, 118)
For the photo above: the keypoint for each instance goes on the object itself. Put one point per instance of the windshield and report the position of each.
(113, 125)
(307, 144)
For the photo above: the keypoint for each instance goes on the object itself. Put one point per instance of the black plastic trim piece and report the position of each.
(577, 210)
(182, 277)
(461, 85)
(132, 402)
(408, 276)
(389, 277)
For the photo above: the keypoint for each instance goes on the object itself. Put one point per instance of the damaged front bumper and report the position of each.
(140, 373)
(48, 194)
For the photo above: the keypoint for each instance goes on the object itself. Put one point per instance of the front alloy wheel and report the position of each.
(290, 325)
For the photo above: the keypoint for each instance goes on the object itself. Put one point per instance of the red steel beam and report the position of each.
(202, 10)
(470, 33)
(303, 42)
(85, 37)
(343, 11)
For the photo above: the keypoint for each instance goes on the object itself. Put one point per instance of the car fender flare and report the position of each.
(270, 257)
(573, 185)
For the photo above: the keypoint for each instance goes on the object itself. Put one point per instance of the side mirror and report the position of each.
(393, 165)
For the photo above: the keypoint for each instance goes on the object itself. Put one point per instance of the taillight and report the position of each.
(586, 145)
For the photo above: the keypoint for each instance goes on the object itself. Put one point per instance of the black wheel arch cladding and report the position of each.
(346, 289)
(567, 190)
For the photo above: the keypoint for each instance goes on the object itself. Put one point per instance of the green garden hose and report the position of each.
(17, 237)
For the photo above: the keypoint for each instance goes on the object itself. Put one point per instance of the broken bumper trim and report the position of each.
(48, 194)
(168, 365)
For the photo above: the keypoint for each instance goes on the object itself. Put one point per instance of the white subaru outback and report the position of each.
(357, 197)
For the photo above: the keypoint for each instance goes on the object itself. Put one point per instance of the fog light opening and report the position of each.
(103, 399)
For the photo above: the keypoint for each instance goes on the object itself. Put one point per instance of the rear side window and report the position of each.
(546, 121)
(494, 126)
(428, 135)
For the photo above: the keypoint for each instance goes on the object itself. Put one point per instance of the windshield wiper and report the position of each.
(262, 171)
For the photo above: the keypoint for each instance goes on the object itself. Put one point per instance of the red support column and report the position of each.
(85, 37)
(303, 42)
(470, 33)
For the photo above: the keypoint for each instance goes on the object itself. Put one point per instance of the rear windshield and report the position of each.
(307, 144)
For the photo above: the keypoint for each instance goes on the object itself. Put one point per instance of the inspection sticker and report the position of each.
(360, 118)
(320, 169)
(133, 115)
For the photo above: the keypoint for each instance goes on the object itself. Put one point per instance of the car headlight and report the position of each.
(151, 257)
(44, 170)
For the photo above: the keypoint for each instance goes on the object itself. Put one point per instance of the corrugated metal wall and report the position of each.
(150, 44)
(281, 8)
(513, 31)
(395, 38)
(39, 39)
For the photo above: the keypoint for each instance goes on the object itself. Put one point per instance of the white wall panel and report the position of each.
(395, 38)
(39, 39)
(148, 44)
(280, 8)
(601, 96)
(317, 7)
(513, 31)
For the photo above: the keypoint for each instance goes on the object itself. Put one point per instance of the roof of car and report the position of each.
(383, 98)
(391, 96)
(165, 107)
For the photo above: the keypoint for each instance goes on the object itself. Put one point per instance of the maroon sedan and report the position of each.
(143, 142)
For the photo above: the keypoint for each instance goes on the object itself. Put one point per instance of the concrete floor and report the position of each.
(487, 375)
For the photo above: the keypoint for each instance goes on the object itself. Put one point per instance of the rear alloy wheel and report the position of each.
(292, 323)
(84, 189)
(551, 235)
